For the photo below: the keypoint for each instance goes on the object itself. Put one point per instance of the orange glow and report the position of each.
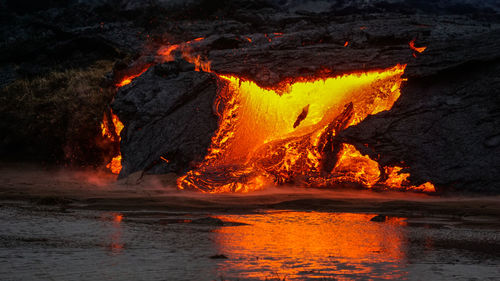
(118, 125)
(165, 54)
(197, 39)
(116, 245)
(111, 133)
(346, 43)
(398, 180)
(352, 166)
(280, 135)
(426, 187)
(164, 159)
(128, 79)
(198, 62)
(248, 39)
(315, 245)
(117, 218)
(105, 130)
(417, 49)
(125, 81)
(115, 166)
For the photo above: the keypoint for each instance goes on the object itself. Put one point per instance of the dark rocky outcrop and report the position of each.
(445, 128)
(168, 117)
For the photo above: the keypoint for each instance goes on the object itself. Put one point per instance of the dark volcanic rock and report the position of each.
(209, 221)
(445, 128)
(168, 113)
(379, 218)
(219, 256)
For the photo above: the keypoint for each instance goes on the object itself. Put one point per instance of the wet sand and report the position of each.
(83, 225)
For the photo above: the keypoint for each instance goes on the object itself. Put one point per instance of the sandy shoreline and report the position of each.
(146, 230)
(101, 191)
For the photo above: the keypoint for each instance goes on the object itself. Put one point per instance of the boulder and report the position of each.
(169, 118)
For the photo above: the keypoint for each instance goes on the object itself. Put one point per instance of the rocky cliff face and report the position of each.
(169, 118)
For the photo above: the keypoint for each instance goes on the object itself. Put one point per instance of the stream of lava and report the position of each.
(286, 134)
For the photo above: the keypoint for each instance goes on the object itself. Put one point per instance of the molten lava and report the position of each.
(115, 166)
(286, 134)
(128, 79)
(111, 130)
(166, 54)
(417, 49)
(396, 179)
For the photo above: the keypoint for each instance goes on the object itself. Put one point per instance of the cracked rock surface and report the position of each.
(168, 117)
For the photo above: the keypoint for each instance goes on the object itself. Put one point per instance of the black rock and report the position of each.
(379, 218)
(220, 256)
(209, 221)
(168, 113)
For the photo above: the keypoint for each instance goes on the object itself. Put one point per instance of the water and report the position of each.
(43, 243)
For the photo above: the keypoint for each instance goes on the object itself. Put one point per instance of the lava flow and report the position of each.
(286, 134)
(111, 130)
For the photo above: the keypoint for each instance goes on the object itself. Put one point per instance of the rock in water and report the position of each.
(379, 218)
(168, 117)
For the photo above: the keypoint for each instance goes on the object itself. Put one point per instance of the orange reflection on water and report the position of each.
(298, 245)
(114, 242)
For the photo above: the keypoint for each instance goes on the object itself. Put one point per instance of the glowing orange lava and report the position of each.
(285, 134)
(417, 49)
(199, 63)
(166, 54)
(398, 180)
(115, 166)
(128, 79)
